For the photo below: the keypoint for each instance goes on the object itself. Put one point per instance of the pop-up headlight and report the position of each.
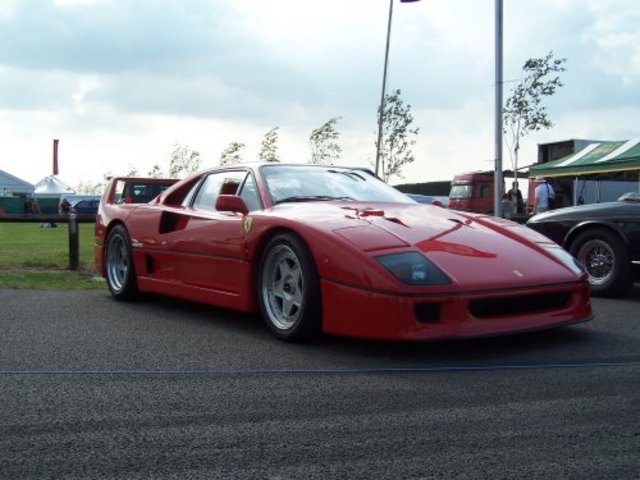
(413, 268)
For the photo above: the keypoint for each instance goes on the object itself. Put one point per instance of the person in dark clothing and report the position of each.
(65, 206)
(515, 196)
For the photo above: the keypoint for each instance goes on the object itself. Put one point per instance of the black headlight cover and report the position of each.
(413, 268)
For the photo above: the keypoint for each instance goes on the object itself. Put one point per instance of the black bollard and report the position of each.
(74, 253)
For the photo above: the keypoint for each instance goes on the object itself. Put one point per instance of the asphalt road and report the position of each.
(94, 388)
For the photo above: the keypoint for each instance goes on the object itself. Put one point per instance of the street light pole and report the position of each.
(384, 83)
(497, 174)
(384, 89)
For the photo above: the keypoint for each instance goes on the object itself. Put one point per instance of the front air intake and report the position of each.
(427, 312)
(518, 305)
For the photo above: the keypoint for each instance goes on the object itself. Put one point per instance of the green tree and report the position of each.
(184, 160)
(96, 188)
(323, 141)
(524, 110)
(398, 136)
(231, 154)
(269, 148)
(155, 172)
(133, 171)
(88, 187)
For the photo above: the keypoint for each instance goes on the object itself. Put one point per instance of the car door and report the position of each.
(207, 246)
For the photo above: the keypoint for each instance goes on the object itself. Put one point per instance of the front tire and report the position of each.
(606, 259)
(118, 265)
(289, 289)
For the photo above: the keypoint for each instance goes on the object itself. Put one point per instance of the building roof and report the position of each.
(596, 158)
(52, 186)
(10, 184)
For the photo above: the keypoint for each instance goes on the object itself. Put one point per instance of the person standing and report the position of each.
(515, 196)
(507, 207)
(543, 194)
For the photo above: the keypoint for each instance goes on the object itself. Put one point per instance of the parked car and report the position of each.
(81, 204)
(336, 250)
(604, 237)
(438, 200)
(137, 190)
(89, 207)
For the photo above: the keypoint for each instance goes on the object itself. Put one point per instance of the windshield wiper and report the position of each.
(310, 198)
(354, 172)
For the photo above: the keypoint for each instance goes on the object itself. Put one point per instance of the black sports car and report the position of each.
(604, 237)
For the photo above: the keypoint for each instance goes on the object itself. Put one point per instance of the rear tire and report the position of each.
(289, 289)
(118, 265)
(606, 259)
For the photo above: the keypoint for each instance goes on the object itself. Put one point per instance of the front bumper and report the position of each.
(356, 312)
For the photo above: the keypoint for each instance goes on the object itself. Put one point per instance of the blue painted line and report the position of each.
(305, 371)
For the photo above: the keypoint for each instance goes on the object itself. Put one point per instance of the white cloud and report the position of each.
(615, 39)
(8, 8)
(66, 3)
(120, 81)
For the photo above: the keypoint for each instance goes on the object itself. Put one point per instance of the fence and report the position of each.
(71, 218)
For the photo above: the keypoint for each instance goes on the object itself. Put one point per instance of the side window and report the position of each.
(184, 194)
(215, 184)
(140, 192)
(119, 192)
(206, 196)
(250, 195)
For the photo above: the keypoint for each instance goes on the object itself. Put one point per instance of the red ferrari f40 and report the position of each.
(336, 250)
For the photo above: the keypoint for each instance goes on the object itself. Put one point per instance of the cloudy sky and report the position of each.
(119, 82)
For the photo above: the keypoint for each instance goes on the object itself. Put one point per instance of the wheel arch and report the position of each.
(592, 225)
(121, 272)
(612, 275)
(102, 245)
(310, 325)
(113, 224)
(259, 249)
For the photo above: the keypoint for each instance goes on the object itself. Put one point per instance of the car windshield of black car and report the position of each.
(630, 197)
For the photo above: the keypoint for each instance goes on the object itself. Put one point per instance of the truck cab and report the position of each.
(472, 192)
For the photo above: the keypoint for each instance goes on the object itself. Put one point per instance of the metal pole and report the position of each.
(73, 242)
(384, 89)
(497, 199)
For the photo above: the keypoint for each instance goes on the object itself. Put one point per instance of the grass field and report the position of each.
(36, 257)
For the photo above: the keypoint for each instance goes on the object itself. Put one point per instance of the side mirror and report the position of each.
(231, 203)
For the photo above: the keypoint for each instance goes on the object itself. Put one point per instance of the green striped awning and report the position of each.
(599, 157)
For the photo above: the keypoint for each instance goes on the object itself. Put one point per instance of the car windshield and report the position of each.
(630, 197)
(304, 183)
(461, 191)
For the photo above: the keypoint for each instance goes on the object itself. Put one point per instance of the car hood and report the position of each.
(594, 210)
(477, 250)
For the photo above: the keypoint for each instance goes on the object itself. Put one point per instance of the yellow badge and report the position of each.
(247, 224)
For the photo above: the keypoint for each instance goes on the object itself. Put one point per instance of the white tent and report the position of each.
(50, 187)
(11, 186)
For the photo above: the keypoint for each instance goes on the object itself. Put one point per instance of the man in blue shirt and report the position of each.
(543, 193)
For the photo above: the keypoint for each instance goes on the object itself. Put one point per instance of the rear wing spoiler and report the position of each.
(135, 189)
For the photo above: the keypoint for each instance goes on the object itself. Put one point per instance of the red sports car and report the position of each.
(336, 250)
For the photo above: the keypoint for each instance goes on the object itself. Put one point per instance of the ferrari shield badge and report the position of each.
(247, 224)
